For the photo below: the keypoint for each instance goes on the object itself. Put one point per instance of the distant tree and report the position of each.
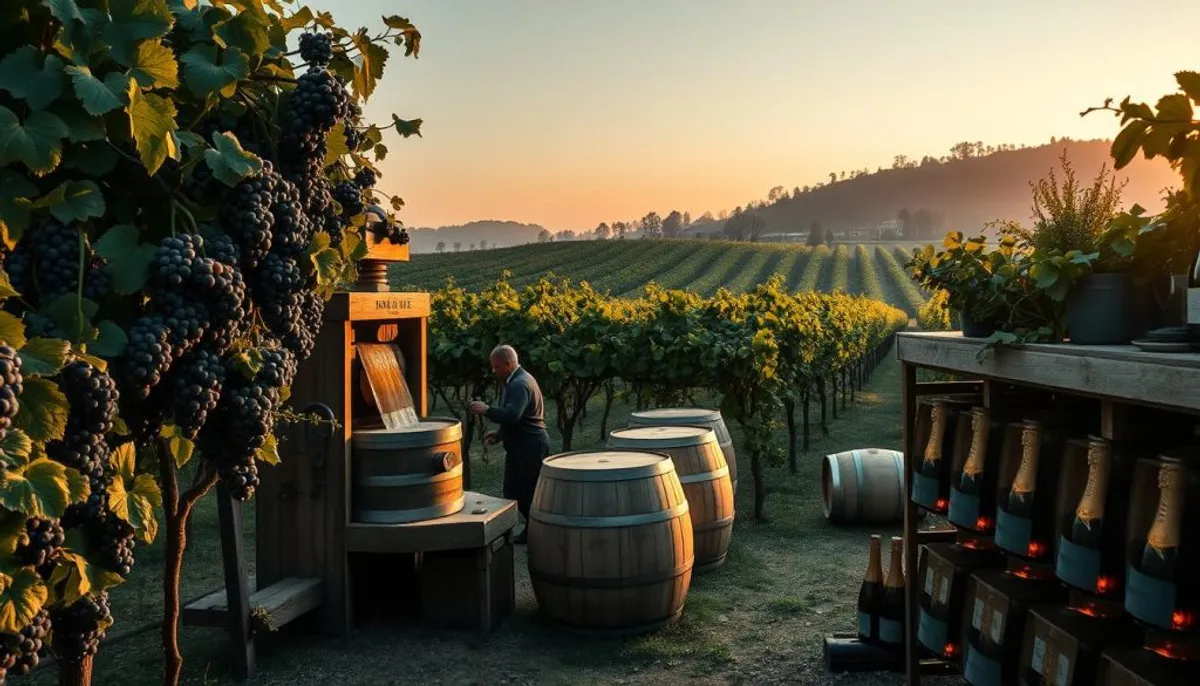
(602, 232)
(441, 246)
(832, 177)
(904, 217)
(744, 226)
(923, 224)
(483, 245)
(795, 192)
(620, 229)
(457, 246)
(829, 236)
(651, 225)
(815, 236)
(843, 176)
(962, 151)
(544, 236)
(706, 217)
(774, 195)
(723, 215)
(565, 235)
(672, 225)
(687, 219)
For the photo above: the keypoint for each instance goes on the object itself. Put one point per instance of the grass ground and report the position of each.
(760, 619)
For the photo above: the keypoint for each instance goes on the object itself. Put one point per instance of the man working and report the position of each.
(522, 428)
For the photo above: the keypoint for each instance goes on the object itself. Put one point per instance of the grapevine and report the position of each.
(169, 234)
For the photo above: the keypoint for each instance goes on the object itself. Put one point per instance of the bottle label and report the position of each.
(891, 631)
(1039, 655)
(931, 632)
(924, 491)
(981, 670)
(1063, 671)
(929, 574)
(1013, 533)
(1076, 565)
(997, 630)
(864, 624)
(944, 590)
(1193, 306)
(1148, 599)
(964, 509)
(977, 615)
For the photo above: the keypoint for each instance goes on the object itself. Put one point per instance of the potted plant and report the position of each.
(963, 271)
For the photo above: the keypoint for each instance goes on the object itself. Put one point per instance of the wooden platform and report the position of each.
(481, 521)
(282, 602)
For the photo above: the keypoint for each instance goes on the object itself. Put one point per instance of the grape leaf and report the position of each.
(179, 446)
(12, 330)
(22, 596)
(16, 207)
(93, 159)
(81, 126)
(134, 498)
(302, 17)
(97, 96)
(27, 76)
(380, 152)
(73, 577)
(268, 452)
(205, 75)
(43, 356)
(111, 340)
(371, 60)
(154, 66)
(152, 122)
(328, 265)
(73, 201)
(36, 143)
(6, 287)
(128, 260)
(65, 11)
(249, 31)
(134, 21)
(1189, 83)
(43, 412)
(336, 146)
(229, 162)
(397, 22)
(12, 525)
(41, 487)
(407, 127)
(66, 311)
(15, 447)
(101, 364)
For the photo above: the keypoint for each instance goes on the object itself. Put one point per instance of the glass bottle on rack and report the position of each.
(1020, 493)
(891, 611)
(970, 481)
(1162, 543)
(1087, 526)
(870, 595)
(932, 462)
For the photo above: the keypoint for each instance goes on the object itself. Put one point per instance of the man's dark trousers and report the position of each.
(524, 453)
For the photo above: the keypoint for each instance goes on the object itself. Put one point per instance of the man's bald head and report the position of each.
(504, 361)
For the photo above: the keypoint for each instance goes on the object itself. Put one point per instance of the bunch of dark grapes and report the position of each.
(37, 545)
(293, 229)
(147, 356)
(80, 449)
(172, 264)
(18, 264)
(79, 627)
(30, 644)
(185, 318)
(55, 249)
(11, 386)
(365, 178)
(239, 472)
(316, 48)
(278, 369)
(319, 101)
(113, 539)
(349, 196)
(92, 395)
(199, 376)
(241, 127)
(246, 215)
(220, 247)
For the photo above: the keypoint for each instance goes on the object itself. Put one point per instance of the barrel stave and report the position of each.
(407, 475)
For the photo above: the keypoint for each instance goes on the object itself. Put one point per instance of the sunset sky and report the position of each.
(571, 112)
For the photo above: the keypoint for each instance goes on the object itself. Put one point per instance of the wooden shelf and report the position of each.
(481, 521)
(1114, 372)
(283, 601)
(1121, 377)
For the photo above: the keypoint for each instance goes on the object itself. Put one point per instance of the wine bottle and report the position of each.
(891, 613)
(937, 435)
(870, 595)
(1162, 543)
(972, 471)
(1088, 523)
(1020, 494)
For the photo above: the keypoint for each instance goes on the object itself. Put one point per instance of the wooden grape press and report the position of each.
(369, 513)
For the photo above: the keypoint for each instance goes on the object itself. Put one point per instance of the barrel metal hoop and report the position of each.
(705, 476)
(664, 466)
(614, 522)
(835, 483)
(858, 490)
(721, 523)
(378, 438)
(397, 480)
(615, 440)
(405, 516)
(899, 458)
(613, 583)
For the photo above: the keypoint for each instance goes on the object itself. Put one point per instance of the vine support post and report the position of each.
(75, 673)
(237, 594)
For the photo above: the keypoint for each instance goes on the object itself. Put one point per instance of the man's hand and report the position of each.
(491, 438)
(478, 406)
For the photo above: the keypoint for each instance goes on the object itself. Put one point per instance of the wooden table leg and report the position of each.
(237, 596)
(483, 575)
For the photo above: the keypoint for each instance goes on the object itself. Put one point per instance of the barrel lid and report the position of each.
(675, 436)
(429, 431)
(679, 414)
(606, 465)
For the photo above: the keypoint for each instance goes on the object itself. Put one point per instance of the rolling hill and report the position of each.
(624, 267)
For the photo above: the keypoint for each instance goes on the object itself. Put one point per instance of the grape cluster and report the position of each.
(92, 397)
(365, 178)
(55, 260)
(37, 545)
(199, 376)
(114, 540)
(147, 356)
(349, 196)
(247, 216)
(18, 264)
(79, 627)
(30, 644)
(11, 386)
(316, 48)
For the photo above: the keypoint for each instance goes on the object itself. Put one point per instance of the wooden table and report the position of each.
(1122, 377)
(483, 530)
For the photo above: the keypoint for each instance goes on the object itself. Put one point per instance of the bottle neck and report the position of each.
(980, 427)
(895, 578)
(1091, 504)
(1164, 533)
(937, 433)
(1026, 479)
(874, 573)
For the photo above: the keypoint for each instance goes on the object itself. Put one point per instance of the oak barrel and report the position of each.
(695, 416)
(702, 470)
(864, 486)
(408, 474)
(610, 541)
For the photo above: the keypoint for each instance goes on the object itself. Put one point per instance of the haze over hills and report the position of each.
(963, 191)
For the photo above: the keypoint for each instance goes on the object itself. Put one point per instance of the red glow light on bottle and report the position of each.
(1182, 620)
(950, 650)
(1104, 584)
(983, 524)
(940, 505)
(1036, 549)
